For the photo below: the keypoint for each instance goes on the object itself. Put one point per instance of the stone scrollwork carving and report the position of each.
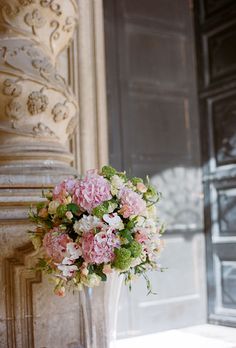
(69, 24)
(44, 66)
(35, 20)
(53, 5)
(45, 20)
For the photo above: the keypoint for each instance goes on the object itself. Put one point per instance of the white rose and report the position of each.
(91, 280)
(117, 182)
(52, 207)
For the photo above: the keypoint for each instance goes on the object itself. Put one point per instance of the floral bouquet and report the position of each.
(92, 226)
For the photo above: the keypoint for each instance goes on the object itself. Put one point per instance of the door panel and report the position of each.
(153, 123)
(216, 34)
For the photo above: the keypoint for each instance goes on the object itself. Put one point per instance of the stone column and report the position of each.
(38, 114)
(38, 111)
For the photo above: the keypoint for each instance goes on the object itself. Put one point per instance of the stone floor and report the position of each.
(203, 336)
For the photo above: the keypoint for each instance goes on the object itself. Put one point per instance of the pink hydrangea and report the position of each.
(55, 244)
(62, 190)
(131, 202)
(99, 248)
(91, 191)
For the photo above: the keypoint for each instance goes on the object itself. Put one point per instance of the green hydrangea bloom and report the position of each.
(122, 258)
(135, 249)
(108, 171)
(100, 210)
(151, 194)
(61, 210)
(135, 181)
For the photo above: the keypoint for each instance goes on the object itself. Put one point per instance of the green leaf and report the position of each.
(101, 209)
(131, 224)
(74, 208)
(61, 210)
(126, 234)
(40, 205)
(135, 248)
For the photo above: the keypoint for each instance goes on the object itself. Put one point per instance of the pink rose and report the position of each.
(62, 190)
(91, 191)
(140, 236)
(43, 213)
(131, 202)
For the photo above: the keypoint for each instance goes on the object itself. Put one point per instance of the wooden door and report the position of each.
(216, 37)
(153, 117)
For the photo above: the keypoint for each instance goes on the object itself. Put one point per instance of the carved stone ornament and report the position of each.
(37, 103)
(35, 20)
(50, 22)
(37, 87)
(11, 88)
(60, 112)
(14, 110)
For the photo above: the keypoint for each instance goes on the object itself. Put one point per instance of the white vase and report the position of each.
(100, 311)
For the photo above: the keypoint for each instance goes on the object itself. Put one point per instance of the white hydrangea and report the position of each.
(116, 184)
(87, 223)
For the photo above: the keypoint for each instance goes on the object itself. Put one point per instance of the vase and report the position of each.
(100, 311)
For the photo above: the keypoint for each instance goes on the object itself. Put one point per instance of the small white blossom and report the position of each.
(114, 221)
(67, 261)
(67, 270)
(74, 250)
